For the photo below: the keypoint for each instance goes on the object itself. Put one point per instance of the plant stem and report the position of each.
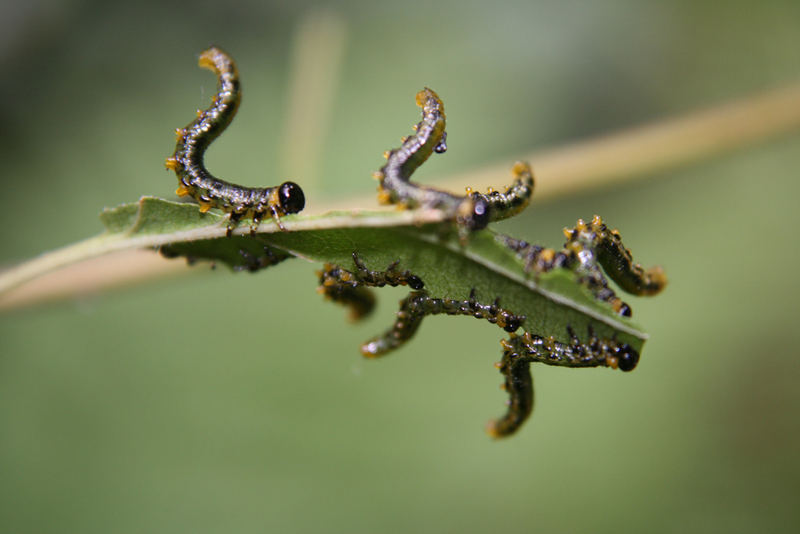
(598, 162)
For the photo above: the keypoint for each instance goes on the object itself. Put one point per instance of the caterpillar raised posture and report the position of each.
(192, 141)
(472, 211)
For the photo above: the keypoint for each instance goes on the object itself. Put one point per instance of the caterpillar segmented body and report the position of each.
(351, 288)
(520, 351)
(472, 211)
(418, 304)
(193, 140)
(589, 247)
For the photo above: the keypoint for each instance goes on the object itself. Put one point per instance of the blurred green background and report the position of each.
(222, 402)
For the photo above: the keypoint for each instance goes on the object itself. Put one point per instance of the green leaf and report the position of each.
(420, 241)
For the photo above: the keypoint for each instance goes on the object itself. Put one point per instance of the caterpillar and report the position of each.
(351, 288)
(471, 212)
(589, 247)
(520, 351)
(418, 304)
(193, 140)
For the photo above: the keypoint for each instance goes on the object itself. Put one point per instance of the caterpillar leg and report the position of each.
(520, 351)
(418, 304)
(276, 216)
(233, 222)
(257, 216)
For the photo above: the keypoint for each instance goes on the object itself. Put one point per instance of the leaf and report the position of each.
(418, 239)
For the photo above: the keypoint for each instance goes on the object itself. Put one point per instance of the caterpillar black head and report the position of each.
(512, 322)
(474, 213)
(291, 197)
(627, 357)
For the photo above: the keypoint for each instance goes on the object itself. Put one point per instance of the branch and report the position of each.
(589, 164)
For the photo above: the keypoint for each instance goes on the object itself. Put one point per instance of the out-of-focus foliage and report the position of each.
(141, 411)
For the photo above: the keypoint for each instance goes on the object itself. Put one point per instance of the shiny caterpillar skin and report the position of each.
(338, 285)
(520, 351)
(471, 212)
(351, 289)
(589, 247)
(193, 140)
(418, 304)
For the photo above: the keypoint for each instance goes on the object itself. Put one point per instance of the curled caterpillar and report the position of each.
(520, 351)
(590, 247)
(193, 140)
(471, 212)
